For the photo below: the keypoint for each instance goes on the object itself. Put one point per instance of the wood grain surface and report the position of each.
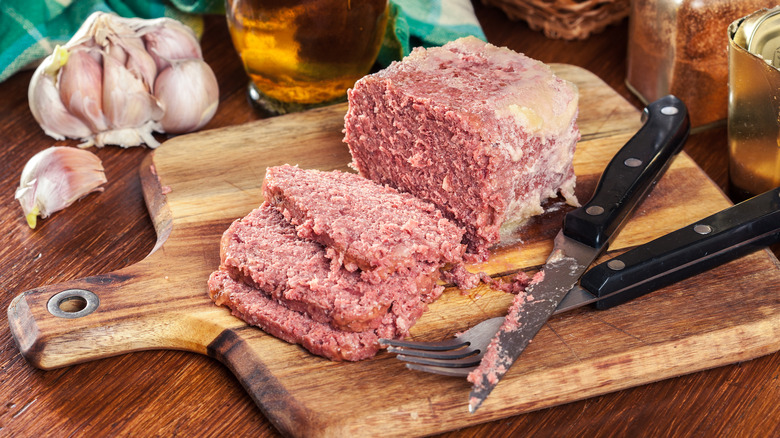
(178, 393)
(214, 177)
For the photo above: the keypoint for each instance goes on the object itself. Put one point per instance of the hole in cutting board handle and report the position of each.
(73, 303)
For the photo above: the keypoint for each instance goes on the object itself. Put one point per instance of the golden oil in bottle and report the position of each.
(304, 53)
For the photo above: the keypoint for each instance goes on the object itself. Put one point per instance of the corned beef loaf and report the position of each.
(263, 251)
(369, 226)
(484, 133)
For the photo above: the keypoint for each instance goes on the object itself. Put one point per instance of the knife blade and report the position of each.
(585, 234)
(697, 247)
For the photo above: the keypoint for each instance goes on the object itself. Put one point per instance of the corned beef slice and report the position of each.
(263, 251)
(484, 133)
(256, 308)
(370, 226)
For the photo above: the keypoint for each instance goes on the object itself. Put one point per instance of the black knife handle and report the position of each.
(631, 174)
(702, 245)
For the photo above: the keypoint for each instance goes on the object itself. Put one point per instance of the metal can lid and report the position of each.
(764, 39)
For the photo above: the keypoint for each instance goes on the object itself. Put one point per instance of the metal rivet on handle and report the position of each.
(595, 210)
(669, 110)
(702, 229)
(633, 162)
(73, 303)
(616, 265)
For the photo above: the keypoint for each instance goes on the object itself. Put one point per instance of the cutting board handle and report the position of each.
(91, 318)
(122, 311)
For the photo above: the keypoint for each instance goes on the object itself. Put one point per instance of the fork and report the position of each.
(455, 357)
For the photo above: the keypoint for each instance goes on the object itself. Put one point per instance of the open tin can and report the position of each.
(754, 103)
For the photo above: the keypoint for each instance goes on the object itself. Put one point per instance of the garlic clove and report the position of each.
(115, 52)
(81, 88)
(55, 178)
(136, 59)
(45, 103)
(126, 99)
(169, 42)
(189, 93)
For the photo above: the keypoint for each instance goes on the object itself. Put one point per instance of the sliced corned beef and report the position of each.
(258, 309)
(369, 226)
(263, 250)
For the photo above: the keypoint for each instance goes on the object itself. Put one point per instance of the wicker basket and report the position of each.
(565, 19)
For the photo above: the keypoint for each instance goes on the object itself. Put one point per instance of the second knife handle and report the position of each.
(702, 245)
(631, 174)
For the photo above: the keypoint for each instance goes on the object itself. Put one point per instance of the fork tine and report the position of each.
(444, 371)
(435, 354)
(485, 329)
(448, 344)
(464, 362)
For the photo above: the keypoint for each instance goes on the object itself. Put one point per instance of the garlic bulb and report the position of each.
(55, 178)
(101, 86)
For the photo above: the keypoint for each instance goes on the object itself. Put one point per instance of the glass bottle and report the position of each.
(305, 53)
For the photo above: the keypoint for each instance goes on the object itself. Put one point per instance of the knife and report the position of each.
(585, 234)
(690, 250)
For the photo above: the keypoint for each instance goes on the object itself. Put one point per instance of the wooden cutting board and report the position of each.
(729, 314)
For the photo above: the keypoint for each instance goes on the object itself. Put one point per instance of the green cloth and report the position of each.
(32, 28)
(426, 23)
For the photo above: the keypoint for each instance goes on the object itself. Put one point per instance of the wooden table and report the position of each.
(169, 393)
